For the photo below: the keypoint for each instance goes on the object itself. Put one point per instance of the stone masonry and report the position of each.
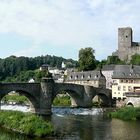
(126, 46)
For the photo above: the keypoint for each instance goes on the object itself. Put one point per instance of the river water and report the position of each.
(82, 124)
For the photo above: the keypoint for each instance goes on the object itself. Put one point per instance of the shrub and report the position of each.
(62, 101)
(28, 124)
(127, 113)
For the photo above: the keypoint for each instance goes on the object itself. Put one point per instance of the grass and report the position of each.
(62, 101)
(127, 113)
(26, 123)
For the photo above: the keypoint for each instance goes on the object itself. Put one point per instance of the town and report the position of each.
(122, 80)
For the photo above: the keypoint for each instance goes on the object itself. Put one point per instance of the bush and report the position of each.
(28, 124)
(62, 101)
(127, 113)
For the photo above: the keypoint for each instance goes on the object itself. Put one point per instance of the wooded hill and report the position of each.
(13, 66)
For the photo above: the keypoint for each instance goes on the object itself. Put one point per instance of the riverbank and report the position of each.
(25, 123)
(126, 113)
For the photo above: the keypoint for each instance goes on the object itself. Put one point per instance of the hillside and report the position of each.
(13, 66)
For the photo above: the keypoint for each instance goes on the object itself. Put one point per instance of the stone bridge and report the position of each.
(41, 95)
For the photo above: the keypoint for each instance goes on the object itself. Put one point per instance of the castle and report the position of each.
(126, 46)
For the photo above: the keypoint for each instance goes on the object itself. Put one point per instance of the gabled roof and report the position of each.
(44, 65)
(84, 76)
(126, 71)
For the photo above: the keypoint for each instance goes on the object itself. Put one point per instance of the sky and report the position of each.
(62, 27)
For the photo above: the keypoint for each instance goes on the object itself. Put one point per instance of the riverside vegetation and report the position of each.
(25, 123)
(18, 99)
(126, 113)
(62, 101)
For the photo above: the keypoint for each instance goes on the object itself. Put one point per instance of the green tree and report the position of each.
(114, 60)
(100, 64)
(135, 59)
(41, 74)
(87, 59)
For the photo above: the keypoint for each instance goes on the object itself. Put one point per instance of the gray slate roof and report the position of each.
(84, 76)
(108, 67)
(126, 71)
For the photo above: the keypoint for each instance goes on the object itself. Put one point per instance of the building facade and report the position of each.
(107, 71)
(91, 78)
(126, 46)
(126, 79)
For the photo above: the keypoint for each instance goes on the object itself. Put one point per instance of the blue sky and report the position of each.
(63, 27)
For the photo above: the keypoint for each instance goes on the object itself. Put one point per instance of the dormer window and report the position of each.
(96, 76)
(76, 77)
(82, 77)
(89, 76)
(71, 77)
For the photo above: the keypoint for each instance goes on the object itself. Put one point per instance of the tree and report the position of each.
(114, 60)
(41, 74)
(135, 59)
(86, 59)
(100, 64)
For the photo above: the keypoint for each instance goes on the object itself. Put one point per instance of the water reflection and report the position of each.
(125, 130)
(82, 127)
(85, 127)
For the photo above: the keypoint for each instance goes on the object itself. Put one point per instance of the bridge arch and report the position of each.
(129, 103)
(104, 95)
(102, 99)
(22, 90)
(74, 91)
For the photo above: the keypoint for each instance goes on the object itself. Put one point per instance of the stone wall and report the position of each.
(120, 103)
(126, 46)
(133, 99)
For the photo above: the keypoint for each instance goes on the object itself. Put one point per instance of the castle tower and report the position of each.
(124, 42)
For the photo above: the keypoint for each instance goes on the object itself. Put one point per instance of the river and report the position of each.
(83, 124)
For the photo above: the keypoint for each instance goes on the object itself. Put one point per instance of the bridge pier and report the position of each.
(47, 89)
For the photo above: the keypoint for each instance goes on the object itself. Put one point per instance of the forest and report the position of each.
(22, 68)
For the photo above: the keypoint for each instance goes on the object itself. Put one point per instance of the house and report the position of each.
(126, 78)
(44, 67)
(92, 78)
(107, 71)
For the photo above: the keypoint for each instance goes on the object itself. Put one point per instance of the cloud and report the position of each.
(76, 23)
(28, 51)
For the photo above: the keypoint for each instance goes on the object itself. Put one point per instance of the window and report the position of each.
(89, 76)
(119, 88)
(129, 88)
(76, 77)
(71, 77)
(124, 88)
(96, 76)
(82, 77)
